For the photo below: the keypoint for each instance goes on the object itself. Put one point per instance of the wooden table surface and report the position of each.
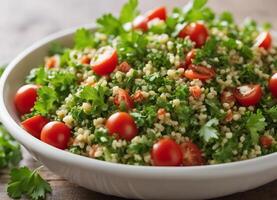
(24, 22)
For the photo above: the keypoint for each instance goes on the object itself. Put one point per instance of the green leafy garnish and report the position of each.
(255, 124)
(110, 25)
(84, 38)
(273, 112)
(23, 181)
(10, 153)
(207, 131)
(46, 99)
(129, 11)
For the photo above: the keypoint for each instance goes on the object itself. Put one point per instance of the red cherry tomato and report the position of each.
(197, 32)
(105, 61)
(25, 98)
(199, 72)
(166, 152)
(190, 56)
(273, 85)
(56, 134)
(248, 95)
(264, 40)
(34, 125)
(123, 97)
(266, 141)
(227, 96)
(192, 155)
(158, 13)
(122, 125)
(141, 21)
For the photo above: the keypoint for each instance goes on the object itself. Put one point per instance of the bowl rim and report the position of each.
(195, 172)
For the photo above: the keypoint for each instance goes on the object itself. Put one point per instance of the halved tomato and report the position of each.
(248, 95)
(199, 72)
(34, 125)
(192, 155)
(123, 97)
(264, 40)
(141, 21)
(104, 61)
(272, 85)
(197, 32)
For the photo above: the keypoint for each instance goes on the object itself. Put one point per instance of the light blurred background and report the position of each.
(23, 22)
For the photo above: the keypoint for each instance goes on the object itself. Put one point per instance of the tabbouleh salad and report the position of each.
(181, 89)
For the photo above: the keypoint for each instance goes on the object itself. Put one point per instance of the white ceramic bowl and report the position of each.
(141, 182)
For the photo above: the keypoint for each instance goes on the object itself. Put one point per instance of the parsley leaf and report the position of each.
(110, 25)
(55, 48)
(10, 153)
(84, 38)
(273, 112)
(255, 123)
(45, 101)
(129, 11)
(96, 95)
(26, 182)
(208, 132)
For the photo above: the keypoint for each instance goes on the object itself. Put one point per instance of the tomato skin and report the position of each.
(123, 96)
(122, 125)
(105, 62)
(272, 85)
(124, 67)
(197, 32)
(190, 56)
(251, 99)
(266, 141)
(264, 40)
(56, 134)
(25, 98)
(199, 72)
(166, 152)
(192, 155)
(159, 13)
(34, 125)
(140, 22)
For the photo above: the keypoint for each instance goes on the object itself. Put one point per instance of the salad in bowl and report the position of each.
(185, 88)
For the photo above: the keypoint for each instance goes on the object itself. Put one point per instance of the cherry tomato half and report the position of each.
(158, 13)
(56, 134)
(190, 56)
(105, 61)
(166, 152)
(272, 85)
(141, 21)
(192, 155)
(25, 98)
(248, 95)
(199, 72)
(124, 97)
(197, 33)
(264, 40)
(34, 125)
(122, 125)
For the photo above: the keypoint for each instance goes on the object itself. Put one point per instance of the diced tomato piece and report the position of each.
(124, 67)
(266, 141)
(123, 97)
(195, 91)
(199, 72)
